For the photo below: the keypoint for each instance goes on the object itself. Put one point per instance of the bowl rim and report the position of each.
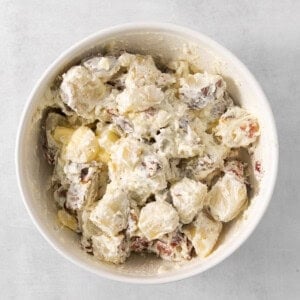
(127, 27)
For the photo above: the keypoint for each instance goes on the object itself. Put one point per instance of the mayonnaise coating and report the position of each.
(203, 232)
(146, 157)
(188, 198)
(237, 128)
(157, 218)
(111, 212)
(81, 90)
(227, 197)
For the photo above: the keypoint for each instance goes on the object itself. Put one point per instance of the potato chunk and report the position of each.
(111, 212)
(237, 128)
(113, 249)
(203, 233)
(67, 220)
(188, 197)
(81, 90)
(83, 146)
(227, 198)
(157, 219)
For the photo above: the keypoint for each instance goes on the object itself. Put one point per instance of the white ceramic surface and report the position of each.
(164, 41)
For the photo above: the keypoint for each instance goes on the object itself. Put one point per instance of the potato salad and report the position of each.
(146, 157)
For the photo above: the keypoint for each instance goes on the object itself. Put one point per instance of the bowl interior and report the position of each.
(164, 43)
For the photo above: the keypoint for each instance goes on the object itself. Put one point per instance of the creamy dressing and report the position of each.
(143, 159)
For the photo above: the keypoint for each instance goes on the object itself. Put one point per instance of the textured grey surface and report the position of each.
(265, 35)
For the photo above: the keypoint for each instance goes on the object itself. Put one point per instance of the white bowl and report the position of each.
(164, 41)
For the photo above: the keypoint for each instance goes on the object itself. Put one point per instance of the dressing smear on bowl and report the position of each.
(146, 159)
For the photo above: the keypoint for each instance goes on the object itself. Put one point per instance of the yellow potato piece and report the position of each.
(112, 136)
(103, 156)
(67, 220)
(83, 146)
(62, 134)
(107, 138)
(203, 232)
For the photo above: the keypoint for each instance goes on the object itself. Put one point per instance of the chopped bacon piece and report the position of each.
(258, 166)
(139, 244)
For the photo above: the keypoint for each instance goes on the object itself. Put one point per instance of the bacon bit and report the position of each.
(139, 244)
(62, 192)
(133, 216)
(238, 173)
(83, 174)
(88, 249)
(258, 166)
(112, 112)
(235, 167)
(253, 129)
(239, 170)
(219, 83)
(176, 240)
(163, 249)
(48, 154)
(235, 172)
(205, 91)
(87, 246)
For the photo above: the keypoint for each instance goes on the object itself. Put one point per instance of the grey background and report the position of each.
(265, 35)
